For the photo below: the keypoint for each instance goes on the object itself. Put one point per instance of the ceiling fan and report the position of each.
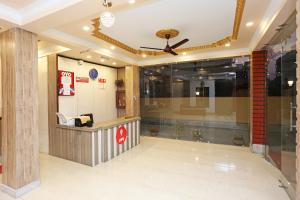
(167, 34)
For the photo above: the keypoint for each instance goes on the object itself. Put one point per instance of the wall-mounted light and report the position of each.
(291, 83)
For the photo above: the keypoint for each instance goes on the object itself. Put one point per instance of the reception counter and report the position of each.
(100, 143)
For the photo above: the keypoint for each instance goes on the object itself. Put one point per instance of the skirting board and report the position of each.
(258, 148)
(16, 193)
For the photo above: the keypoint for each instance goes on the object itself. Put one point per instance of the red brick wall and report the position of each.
(258, 84)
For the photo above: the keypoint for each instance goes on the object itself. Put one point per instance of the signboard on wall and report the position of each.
(82, 79)
(102, 82)
(66, 83)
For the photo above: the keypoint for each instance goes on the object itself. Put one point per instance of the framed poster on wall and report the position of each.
(121, 99)
(66, 83)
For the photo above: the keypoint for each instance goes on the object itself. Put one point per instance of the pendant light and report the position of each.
(107, 18)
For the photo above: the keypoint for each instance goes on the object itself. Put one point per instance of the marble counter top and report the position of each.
(101, 125)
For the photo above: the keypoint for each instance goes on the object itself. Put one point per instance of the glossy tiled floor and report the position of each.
(162, 169)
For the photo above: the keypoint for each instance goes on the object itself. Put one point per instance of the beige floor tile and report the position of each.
(162, 169)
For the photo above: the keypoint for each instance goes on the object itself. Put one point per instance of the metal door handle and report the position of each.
(291, 117)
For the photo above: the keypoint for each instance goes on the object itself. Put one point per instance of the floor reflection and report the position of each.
(237, 135)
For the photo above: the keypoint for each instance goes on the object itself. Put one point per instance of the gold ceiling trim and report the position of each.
(238, 18)
(240, 5)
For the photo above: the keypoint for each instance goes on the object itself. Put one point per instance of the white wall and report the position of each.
(89, 97)
(43, 104)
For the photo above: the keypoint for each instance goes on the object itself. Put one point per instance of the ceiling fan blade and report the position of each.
(179, 43)
(173, 53)
(152, 48)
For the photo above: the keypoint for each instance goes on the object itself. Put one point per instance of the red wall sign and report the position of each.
(121, 135)
(82, 79)
(102, 80)
(66, 83)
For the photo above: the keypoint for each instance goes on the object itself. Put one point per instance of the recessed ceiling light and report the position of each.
(88, 57)
(112, 47)
(131, 1)
(102, 60)
(114, 63)
(227, 45)
(249, 24)
(144, 56)
(184, 53)
(86, 28)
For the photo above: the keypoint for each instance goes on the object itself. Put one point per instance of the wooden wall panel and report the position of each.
(19, 57)
(52, 99)
(132, 85)
(136, 90)
(121, 76)
(129, 90)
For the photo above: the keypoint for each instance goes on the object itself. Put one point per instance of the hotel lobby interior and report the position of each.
(149, 99)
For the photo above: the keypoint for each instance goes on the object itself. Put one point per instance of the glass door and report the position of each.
(288, 107)
(281, 107)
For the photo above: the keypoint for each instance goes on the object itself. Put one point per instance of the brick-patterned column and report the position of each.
(258, 101)
(298, 102)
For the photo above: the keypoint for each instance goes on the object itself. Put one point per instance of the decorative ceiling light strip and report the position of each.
(240, 5)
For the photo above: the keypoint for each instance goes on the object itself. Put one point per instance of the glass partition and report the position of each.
(206, 101)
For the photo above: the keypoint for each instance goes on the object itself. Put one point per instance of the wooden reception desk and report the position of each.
(91, 146)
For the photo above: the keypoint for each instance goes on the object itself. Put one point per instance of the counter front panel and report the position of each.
(91, 146)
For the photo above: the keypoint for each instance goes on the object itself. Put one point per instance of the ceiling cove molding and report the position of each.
(9, 14)
(42, 8)
(272, 12)
(197, 56)
(53, 49)
(240, 5)
(34, 11)
(79, 42)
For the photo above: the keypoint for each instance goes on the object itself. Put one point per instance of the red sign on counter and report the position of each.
(121, 135)
(82, 79)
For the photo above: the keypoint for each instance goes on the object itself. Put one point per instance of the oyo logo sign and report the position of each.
(121, 135)
(66, 74)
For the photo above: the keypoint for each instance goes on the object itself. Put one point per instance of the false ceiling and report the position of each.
(197, 20)
(17, 4)
(204, 22)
